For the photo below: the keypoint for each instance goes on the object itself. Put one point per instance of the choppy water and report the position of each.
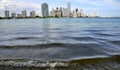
(59, 39)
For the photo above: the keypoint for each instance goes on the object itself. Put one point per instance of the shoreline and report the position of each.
(110, 63)
(55, 17)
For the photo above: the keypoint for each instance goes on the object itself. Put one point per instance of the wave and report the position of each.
(54, 64)
(25, 38)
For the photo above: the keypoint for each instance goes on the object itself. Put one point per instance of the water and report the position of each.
(59, 39)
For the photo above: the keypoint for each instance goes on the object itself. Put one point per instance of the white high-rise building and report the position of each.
(69, 9)
(52, 12)
(7, 14)
(81, 13)
(45, 10)
(24, 14)
(64, 12)
(75, 13)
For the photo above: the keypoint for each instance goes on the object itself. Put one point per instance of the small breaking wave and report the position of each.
(54, 64)
(31, 63)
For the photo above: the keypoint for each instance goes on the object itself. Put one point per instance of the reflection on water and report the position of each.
(59, 39)
(46, 27)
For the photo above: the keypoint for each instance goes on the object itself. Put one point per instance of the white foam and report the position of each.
(32, 64)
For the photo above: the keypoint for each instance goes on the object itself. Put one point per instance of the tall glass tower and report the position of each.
(45, 10)
(69, 8)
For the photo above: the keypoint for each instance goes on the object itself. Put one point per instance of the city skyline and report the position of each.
(55, 13)
(103, 7)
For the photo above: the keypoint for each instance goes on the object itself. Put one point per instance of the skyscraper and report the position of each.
(32, 14)
(75, 13)
(13, 15)
(69, 9)
(81, 13)
(24, 14)
(45, 10)
(64, 12)
(61, 14)
(19, 15)
(7, 14)
(52, 12)
(57, 13)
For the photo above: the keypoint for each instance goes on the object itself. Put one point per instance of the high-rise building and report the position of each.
(24, 14)
(57, 13)
(45, 10)
(32, 14)
(61, 14)
(7, 15)
(69, 9)
(75, 13)
(19, 15)
(81, 13)
(52, 12)
(64, 12)
(13, 15)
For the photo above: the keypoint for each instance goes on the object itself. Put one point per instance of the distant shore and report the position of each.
(55, 17)
(43, 17)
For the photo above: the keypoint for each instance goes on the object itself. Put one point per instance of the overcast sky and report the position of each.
(103, 7)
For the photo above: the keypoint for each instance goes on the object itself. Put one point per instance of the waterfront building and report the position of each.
(7, 14)
(32, 14)
(13, 15)
(81, 13)
(24, 14)
(69, 9)
(52, 12)
(93, 15)
(19, 15)
(64, 12)
(75, 13)
(45, 10)
(57, 13)
(61, 13)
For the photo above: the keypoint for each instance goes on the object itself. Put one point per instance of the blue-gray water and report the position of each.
(59, 39)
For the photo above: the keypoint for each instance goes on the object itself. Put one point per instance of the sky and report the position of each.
(102, 7)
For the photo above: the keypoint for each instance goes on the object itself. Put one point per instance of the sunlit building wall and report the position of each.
(24, 14)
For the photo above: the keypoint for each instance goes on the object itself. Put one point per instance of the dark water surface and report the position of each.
(63, 39)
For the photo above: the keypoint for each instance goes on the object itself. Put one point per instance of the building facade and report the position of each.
(69, 9)
(52, 12)
(45, 10)
(32, 14)
(61, 13)
(24, 14)
(13, 15)
(7, 14)
(57, 13)
(19, 15)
